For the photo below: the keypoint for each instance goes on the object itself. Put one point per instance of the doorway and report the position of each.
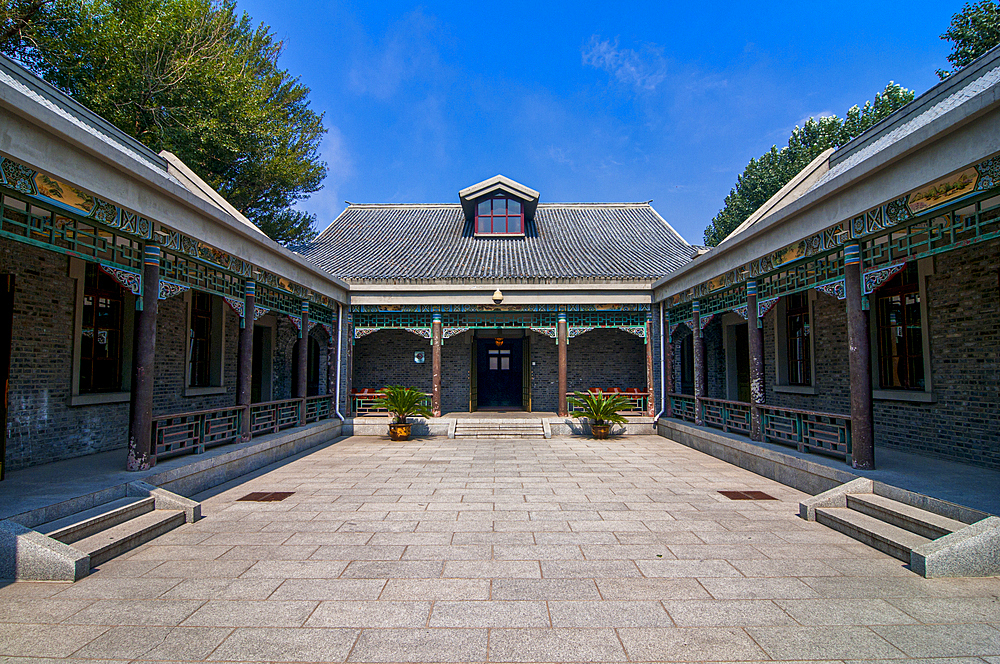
(499, 374)
(742, 343)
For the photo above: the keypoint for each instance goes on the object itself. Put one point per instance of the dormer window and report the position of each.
(499, 216)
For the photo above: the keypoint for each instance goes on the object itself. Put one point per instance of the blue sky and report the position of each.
(624, 101)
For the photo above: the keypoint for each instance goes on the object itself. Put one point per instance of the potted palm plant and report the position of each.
(601, 410)
(402, 402)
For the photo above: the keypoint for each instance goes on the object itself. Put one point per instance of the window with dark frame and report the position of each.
(899, 332)
(499, 216)
(101, 333)
(201, 339)
(797, 336)
(687, 365)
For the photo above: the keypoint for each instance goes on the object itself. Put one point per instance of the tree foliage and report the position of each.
(190, 76)
(765, 176)
(973, 31)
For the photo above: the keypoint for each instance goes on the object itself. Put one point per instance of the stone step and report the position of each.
(890, 539)
(918, 521)
(123, 537)
(89, 522)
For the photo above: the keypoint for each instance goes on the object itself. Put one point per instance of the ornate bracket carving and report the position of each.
(577, 331)
(834, 288)
(547, 331)
(128, 279)
(763, 306)
(741, 310)
(171, 288)
(235, 303)
(872, 280)
(705, 320)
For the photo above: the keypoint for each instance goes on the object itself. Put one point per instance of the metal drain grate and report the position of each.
(266, 496)
(747, 495)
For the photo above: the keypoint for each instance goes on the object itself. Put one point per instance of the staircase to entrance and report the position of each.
(499, 428)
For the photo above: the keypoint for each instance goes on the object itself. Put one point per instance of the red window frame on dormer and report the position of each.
(500, 215)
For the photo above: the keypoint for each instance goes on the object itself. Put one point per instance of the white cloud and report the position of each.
(641, 70)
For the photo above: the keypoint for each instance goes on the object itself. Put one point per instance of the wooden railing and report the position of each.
(683, 406)
(364, 403)
(637, 400)
(192, 433)
(318, 408)
(726, 415)
(828, 433)
(273, 416)
(807, 430)
(186, 433)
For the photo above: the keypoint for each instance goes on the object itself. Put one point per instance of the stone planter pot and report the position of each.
(600, 431)
(399, 431)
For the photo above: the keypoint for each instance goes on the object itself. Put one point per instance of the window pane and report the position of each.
(484, 208)
(504, 363)
(513, 207)
(514, 224)
(493, 363)
(499, 206)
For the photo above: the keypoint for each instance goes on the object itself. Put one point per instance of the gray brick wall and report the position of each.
(606, 358)
(386, 358)
(41, 425)
(544, 373)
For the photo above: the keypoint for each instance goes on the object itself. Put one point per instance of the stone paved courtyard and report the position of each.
(562, 550)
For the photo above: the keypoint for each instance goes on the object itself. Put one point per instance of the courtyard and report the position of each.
(559, 550)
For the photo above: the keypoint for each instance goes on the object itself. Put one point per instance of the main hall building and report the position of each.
(858, 309)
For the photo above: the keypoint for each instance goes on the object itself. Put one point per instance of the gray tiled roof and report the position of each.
(563, 241)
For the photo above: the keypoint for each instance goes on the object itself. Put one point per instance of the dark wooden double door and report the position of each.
(499, 377)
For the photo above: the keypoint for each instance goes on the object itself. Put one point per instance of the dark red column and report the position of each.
(436, 365)
(301, 388)
(859, 352)
(755, 338)
(141, 454)
(699, 361)
(651, 397)
(562, 338)
(244, 366)
(668, 370)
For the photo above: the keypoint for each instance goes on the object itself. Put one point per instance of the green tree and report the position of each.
(765, 176)
(190, 76)
(973, 31)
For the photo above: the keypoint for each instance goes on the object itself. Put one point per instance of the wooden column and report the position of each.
(436, 365)
(650, 386)
(244, 366)
(755, 338)
(349, 357)
(332, 361)
(668, 361)
(859, 351)
(302, 386)
(699, 362)
(141, 454)
(562, 338)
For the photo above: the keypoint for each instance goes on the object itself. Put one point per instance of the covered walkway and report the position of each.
(560, 550)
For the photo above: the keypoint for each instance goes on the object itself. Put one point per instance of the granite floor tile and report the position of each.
(726, 613)
(328, 589)
(381, 569)
(479, 569)
(544, 589)
(369, 614)
(829, 611)
(493, 613)
(555, 645)
(690, 644)
(275, 644)
(420, 645)
(760, 588)
(651, 589)
(968, 640)
(950, 609)
(99, 587)
(148, 612)
(39, 611)
(47, 640)
(268, 613)
(687, 568)
(589, 569)
(295, 569)
(436, 589)
(823, 643)
(609, 613)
